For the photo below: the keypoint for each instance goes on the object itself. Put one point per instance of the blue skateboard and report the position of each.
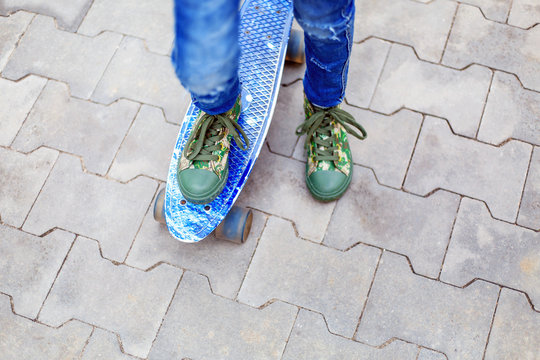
(264, 38)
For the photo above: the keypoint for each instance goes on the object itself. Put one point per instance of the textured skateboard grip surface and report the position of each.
(264, 31)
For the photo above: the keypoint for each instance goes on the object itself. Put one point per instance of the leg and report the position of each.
(206, 52)
(328, 27)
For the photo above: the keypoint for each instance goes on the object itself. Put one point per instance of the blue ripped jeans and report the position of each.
(206, 51)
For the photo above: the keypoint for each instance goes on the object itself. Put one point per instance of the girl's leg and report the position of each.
(206, 52)
(328, 28)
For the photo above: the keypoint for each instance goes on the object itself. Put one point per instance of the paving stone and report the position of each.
(129, 302)
(224, 263)
(134, 73)
(29, 265)
(288, 115)
(23, 339)
(331, 282)
(496, 10)
(426, 354)
(104, 345)
(310, 339)
(493, 174)
(485, 248)
(200, 325)
(92, 206)
(81, 65)
(292, 72)
(11, 29)
(426, 312)
(389, 145)
(150, 20)
(422, 26)
(80, 127)
(383, 218)
(529, 212)
(511, 112)
(16, 101)
(473, 40)
(524, 13)
(21, 179)
(516, 329)
(458, 96)
(147, 147)
(277, 186)
(367, 61)
(68, 13)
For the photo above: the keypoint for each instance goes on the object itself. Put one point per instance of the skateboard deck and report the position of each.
(263, 36)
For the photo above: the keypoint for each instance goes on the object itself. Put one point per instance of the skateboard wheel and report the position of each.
(295, 47)
(236, 225)
(159, 207)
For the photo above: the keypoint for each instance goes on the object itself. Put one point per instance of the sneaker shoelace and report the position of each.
(318, 128)
(204, 141)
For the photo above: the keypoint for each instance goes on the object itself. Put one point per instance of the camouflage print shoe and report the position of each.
(329, 161)
(204, 165)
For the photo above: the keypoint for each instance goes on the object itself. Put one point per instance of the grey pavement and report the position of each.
(432, 254)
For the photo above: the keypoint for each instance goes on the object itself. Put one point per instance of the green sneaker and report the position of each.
(203, 167)
(329, 161)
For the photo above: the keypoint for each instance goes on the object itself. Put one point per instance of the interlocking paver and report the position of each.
(292, 72)
(511, 112)
(384, 219)
(427, 312)
(277, 186)
(310, 275)
(426, 354)
(80, 127)
(200, 325)
(458, 96)
(21, 179)
(16, 101)
(127, 301)
(493, 174)
(485, 248)
(81, 65)
(496, 10)
(11, 29)
(89, 205)
(423, 26)
(529, 211)
(289, 113)
(389, 145)
(68, 13)
(473, 39)
(29, 265)
(224, 263)
(524, 13)
(516, 329)
(147, 147)
(310, 339)
(104, 345)
(137, 74)
(367, 61)
(150, 20)
(23, 339)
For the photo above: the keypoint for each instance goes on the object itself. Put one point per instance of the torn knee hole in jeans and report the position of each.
(325, 31)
